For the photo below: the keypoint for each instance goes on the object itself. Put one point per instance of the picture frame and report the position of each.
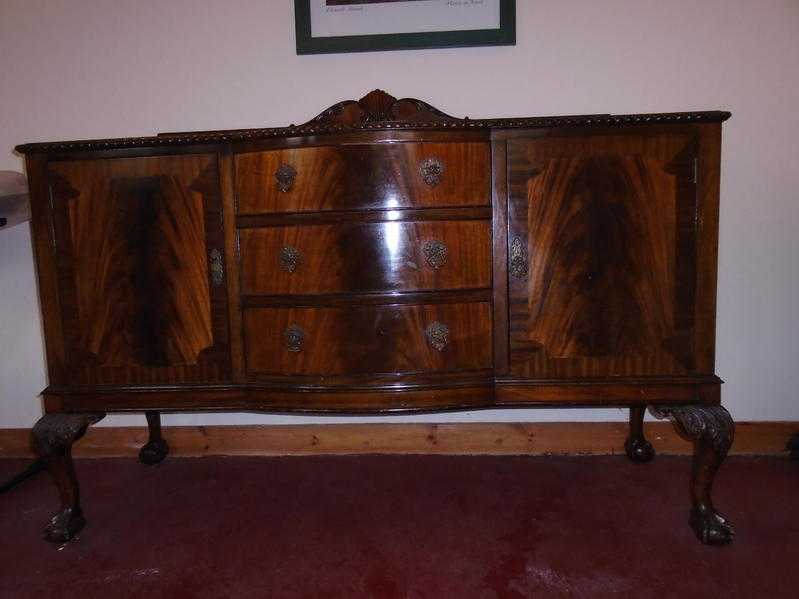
(335, 26)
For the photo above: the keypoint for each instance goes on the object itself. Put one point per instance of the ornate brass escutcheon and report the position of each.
(435, 252)
(518, 259)
(294, 336)
(217, 267)
(284, 176)
(432, 170)
(290, 258)
(437, 335)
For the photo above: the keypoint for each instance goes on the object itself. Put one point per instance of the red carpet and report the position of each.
(403, 527)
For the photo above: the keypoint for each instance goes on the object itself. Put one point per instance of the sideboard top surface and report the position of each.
(377, 111)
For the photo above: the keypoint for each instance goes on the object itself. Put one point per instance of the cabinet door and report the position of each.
(602, 250)
(139, 246)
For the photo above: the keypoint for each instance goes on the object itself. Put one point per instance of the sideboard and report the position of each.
(383, 257)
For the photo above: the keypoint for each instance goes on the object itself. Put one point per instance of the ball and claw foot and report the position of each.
(710, 527)
(156, 448)
(153, 452)
(64, 526)
(639, 451)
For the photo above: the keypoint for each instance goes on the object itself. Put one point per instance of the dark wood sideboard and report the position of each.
(383, 257)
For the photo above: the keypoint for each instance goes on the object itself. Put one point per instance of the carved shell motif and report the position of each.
(377, 105)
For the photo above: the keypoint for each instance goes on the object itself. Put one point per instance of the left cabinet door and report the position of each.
(139, 252)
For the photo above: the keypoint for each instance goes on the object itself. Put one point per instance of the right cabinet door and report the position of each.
(602, 251)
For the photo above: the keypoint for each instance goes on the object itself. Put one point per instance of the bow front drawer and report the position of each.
(366, 257)
(363, 177)
(368, 339)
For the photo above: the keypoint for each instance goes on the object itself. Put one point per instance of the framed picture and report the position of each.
(373, 25)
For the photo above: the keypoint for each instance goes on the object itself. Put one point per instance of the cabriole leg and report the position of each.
(53, 436)
(156, 448)
(638, 449)
(712, 430)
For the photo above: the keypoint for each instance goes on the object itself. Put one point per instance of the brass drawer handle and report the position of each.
(432, 171)
(437, 335)
(435, 252)
(290, 258)
(217, 267)
(294, 337)
(518, 259)
(285, 175)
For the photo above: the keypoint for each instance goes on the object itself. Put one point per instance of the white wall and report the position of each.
(107, 68)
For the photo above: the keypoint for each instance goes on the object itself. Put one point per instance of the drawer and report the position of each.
(359, 177)
(368, 339)
(366, 257)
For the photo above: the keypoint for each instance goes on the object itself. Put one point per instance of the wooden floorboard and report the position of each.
(561, 438)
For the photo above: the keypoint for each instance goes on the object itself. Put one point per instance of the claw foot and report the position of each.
(711, 528)
(639, 450)
(153, 452)
(64, 526)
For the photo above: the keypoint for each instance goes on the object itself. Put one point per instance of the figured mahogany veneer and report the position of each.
(384, 257)
(134, 238)
(609, 223)
(363, 177)
(352, 340)
(366, 257)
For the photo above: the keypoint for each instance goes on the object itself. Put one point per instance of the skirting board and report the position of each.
(561, 438)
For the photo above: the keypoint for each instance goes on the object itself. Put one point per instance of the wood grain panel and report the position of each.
(707, 220)
(233, 277)
(359, 177)
(134, 237)
(367, 339)
(367, 299)
(608, 226)
(290, 397)
(366, 257)
(50, 300)
(499, 191)
(598, 394)
(287, 219)
(601, 278)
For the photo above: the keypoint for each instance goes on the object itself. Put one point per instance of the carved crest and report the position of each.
(379, 107)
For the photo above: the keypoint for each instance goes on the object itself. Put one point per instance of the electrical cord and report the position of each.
(33, 468)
